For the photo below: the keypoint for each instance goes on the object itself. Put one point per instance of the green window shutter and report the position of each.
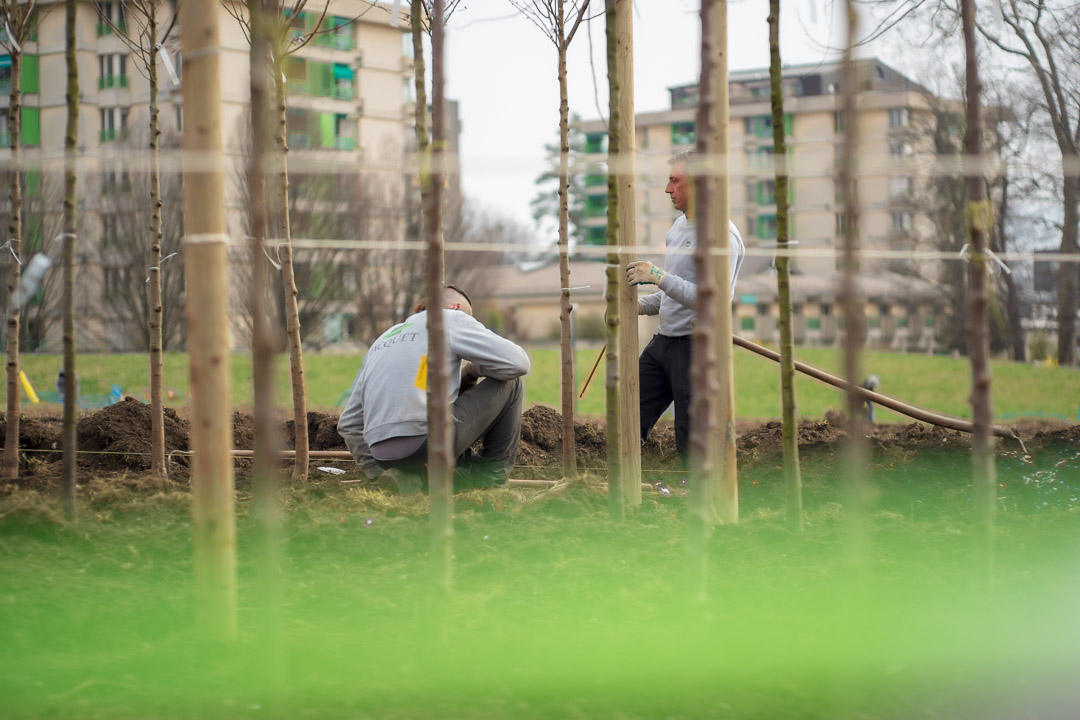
(813, 323)
(324, 78)
(787, 123)
(31, 126)
(747, 323)
(33, 184)
(30, 74)
(326, 129)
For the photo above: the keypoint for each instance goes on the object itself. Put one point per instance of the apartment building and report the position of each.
(889, 107)
(350, 111)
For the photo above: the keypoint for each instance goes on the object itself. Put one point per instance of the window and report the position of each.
(900, 186)
(826, 309)
(115, 181)
(763, 309)
(766, 227)
(746, 323)
(596, 142)
(842, 224)
(683, 133)
(899, 118)
(117, 280)
(342, 88)
(179, 108)
(901, 221)
(110, 12)
(796, 309)
(596, 235)
(113, 123)
(112, 71)
(110, 229)
(813, 323)
(899, 151)
(884, 309)
(762, 125)
(408, 90)
(596, 205)
(838, 122)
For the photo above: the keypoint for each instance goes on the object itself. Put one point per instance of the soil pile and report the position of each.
(322, 433)
(125, 428)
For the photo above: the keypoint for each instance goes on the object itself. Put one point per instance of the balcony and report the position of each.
(112, 135)
(106, 82)
(5, 140)
(103, 28)
(345, 143)
(342, 92)
(335, 41)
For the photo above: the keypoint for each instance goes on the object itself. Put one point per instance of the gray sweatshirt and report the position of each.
(678, 290)
(388, 398)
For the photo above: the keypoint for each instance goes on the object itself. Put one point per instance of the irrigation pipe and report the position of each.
(912, 411)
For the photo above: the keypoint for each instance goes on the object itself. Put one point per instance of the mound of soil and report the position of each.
(125, 428)
(322, 433)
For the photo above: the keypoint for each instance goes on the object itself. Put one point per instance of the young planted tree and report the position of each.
(792, 473)
(849, 298)
(550, 17)
(703, 368)
(20, 21)
(146, 46)
(285, 41)
(980, 225)
(71, 140)
(612, 404)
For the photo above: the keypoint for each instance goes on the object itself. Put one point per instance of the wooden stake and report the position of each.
(725, 495)
(71, 141)
(206, 268)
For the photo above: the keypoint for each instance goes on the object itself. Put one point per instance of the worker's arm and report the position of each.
(649, 304)
(490, 354)
(682, 290)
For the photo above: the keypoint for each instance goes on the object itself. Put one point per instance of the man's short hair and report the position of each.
(684, 157)
(447, 291)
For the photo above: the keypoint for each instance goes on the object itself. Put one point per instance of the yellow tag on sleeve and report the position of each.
(421, 374)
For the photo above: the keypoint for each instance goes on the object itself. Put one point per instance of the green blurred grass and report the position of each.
(558, 611)
(935, 382)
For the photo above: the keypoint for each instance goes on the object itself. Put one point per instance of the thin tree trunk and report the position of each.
(157, 357)
(1069, 278)
(566, 362)
(422, 140)
(979, 226)
(725, 495)
(1012, 292)
(297, 373)
(629, 412)
(703, 370)
(853, 308)
(206, 269)
(262, 349)
(71, 140)
(11, 440)
(440, 429)
(792, 474)
(614, 278)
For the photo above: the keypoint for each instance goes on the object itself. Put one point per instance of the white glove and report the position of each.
(644, 272)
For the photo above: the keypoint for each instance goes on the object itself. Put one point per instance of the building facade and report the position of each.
(350, 112)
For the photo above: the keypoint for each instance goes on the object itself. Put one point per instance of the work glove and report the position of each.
(644, 272)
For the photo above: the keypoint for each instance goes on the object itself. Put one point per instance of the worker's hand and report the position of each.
(469, 376)
(644, 272)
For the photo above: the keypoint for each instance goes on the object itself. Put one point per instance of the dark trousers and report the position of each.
(664, 376)
(489, 413)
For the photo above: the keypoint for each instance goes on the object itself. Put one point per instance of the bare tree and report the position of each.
(550, 17)
(792, 473)
(19, 20)
(71, 140)
(1046, 34)
(146, 44)
(127, 297)
(980, 225)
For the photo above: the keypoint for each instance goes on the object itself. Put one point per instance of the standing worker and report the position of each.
(384, 422)
(664, 365)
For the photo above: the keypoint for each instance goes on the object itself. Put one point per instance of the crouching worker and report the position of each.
(384, 422)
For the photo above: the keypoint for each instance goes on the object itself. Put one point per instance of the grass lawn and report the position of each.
(557, 611)
(938, 383)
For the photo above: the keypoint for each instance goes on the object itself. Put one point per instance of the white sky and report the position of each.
(503, 70)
